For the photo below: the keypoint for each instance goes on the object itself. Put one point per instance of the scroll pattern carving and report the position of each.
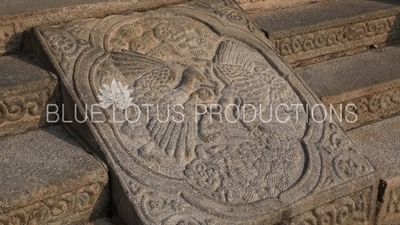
(371, 107)
(353, 209)
(166, 209)
(338, 38)
(60, 209)
(32, 104)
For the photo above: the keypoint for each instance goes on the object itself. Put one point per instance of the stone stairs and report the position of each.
(349, 59)
(348, 54)
(381, 144)
(47, 177)
(25, 91)
(318, 32)
(367, 83)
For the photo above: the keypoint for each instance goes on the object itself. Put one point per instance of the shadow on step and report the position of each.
(392, 2)
(394, 33)
(94, 202)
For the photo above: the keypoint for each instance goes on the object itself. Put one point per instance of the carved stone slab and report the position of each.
(25, 90)
(202, 168)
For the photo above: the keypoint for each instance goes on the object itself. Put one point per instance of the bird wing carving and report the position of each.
(157, 83)
(151, 77)
(248, 75)
(135, 64)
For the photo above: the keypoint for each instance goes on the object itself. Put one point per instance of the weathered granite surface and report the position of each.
(370, 81)
(318, 32)
(25, 90)
(258, 5)
(103, 221)
(194, 169)
(48, 178)
(381, 143)
(17, 16)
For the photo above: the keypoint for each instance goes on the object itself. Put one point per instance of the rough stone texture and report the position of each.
(20, 15)
(17, 16)
(318, 32)
(200, 170)
(389, 210)
(25, 90)
(104, 221)
(381, 144)
(48, 178)
(370, 81)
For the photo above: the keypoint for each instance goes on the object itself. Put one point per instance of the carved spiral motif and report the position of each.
(16, 108)
(55, 209)
(334, 36)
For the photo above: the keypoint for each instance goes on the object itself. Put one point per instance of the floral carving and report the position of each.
(346, 160)
(349, 165)
(205, 173)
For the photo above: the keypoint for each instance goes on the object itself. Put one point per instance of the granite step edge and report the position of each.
(49, 178)
(325, 40)
(381, 145)
(25, 91)
(362, 88)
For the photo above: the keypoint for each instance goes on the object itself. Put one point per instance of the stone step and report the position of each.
(259, 5)
(25, 90)
(18, 16)
(318, 32)
(48, 178)
(369, 80)
(381, 144)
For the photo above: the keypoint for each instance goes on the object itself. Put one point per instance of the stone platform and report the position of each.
(206, 169)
